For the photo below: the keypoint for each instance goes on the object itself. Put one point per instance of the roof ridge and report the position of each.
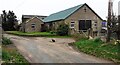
(68, 8)
(30, 19)
(33, 18)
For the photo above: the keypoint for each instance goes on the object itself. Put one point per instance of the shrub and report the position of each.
(62, 30)
(6, 41)
(52, 32)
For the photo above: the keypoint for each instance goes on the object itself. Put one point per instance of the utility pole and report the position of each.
(110, 4)
(118, 34)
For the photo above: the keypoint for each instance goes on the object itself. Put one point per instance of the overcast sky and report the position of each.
(47, 7)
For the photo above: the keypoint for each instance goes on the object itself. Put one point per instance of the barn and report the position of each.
(79, 18)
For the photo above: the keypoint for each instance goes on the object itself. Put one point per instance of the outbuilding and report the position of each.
(33, 24)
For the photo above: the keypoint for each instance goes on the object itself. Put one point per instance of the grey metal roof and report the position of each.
(62, 14)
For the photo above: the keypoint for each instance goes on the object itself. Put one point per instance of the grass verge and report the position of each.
(36, 34)
(99, 49)
(10, 53)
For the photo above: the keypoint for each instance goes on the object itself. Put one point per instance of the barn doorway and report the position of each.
(85, 24)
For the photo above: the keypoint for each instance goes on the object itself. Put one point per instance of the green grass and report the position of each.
(6, 41)
(10, 53)
(12, 56)
(29, 33)
(36, 34)
(100, 49)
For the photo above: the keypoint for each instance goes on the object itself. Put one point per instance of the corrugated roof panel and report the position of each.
(62, 14)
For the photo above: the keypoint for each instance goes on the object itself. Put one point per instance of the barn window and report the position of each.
(33, 25)
(72, 24)
(84, 24)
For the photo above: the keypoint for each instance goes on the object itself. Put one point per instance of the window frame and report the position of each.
(72, 24)
(32, 25)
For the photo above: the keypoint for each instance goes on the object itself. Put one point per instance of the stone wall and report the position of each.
(82, 15)
(37, 22)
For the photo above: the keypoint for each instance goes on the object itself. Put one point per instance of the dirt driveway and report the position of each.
(42, 50)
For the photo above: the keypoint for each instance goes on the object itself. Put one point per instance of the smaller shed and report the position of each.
(33, 24)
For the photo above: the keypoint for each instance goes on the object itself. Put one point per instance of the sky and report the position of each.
(47, 7)
(119, 8)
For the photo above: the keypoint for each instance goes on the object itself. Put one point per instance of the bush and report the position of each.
(62, 30)
(52, 32)
(6, 41)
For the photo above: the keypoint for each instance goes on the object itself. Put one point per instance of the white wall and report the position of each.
(119, 8)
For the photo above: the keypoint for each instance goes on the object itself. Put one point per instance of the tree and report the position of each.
(9, 21)
(4, 20)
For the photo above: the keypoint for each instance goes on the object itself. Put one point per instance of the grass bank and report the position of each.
(99, 49)
(36, 34)
(10, 54)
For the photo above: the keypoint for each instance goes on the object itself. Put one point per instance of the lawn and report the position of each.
(36, 34)
(100, 49)
(29, 33)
